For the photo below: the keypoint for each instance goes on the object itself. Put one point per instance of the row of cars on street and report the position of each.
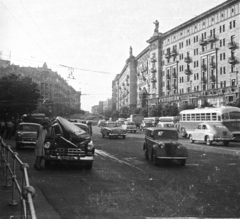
(65, 141)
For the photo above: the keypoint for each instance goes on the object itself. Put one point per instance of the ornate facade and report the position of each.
(196, 62)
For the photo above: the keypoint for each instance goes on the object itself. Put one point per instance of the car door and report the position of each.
(197, 134)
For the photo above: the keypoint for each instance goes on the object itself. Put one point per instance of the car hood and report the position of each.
(27, 134)
(72, 133)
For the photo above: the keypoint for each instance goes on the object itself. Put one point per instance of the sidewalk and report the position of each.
(42, 208)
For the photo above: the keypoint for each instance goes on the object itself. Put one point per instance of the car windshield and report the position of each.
(29, 127)
(130, 123)
(220, 127)
(165, 134)
(168, 125)
(149, 124)
(111, 125)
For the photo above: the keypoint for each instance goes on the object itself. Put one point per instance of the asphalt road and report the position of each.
(122, 184)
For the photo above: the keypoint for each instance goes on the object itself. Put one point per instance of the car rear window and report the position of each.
(166, 134)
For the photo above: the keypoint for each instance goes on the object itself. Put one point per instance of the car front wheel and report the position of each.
(208, 140)
(191, 139)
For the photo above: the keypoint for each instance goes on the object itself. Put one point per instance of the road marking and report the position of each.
(105, 154)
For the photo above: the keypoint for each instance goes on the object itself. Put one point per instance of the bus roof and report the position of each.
(222, 109)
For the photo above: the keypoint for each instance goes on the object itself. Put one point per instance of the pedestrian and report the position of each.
(2, 127)
(9, 127)
(39, 148)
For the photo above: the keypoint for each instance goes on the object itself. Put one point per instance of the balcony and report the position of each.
(211, 38)
(212, 64)
(187, 59)
(204, 80)
(174, 52)
(232, 45)
(232, 60)
(153, 80)
(203, 42)
(167, 55)
(153, 69)
(174, 75)
(153, 59)
(168, 76)
(188, 72)
(213, 78)
(204, 67)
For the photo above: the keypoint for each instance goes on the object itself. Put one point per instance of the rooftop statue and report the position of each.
(156, 26)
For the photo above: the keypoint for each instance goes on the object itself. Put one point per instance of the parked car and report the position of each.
(129, 127)
(165, 125)
(145, 124)
(101, 123)
(68, 142)
(26, 135)
(112, 129)
(210, 133)
(162, 144)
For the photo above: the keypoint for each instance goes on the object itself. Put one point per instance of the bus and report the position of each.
(225, 115)
(35, 118)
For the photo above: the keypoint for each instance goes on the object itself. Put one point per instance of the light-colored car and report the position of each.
(145, 124)
(165, 125)
(129, 127)
(210, 133)
(101, 123)
(112, 129)
(26, 135)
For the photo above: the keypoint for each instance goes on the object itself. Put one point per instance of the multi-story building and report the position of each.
(107, 105)
(53, 88)
(195, 62)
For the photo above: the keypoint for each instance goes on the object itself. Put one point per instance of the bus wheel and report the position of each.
(191, 139)
(226, 143)
(208, 141)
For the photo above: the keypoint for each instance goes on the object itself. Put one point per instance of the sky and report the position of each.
(89, 39)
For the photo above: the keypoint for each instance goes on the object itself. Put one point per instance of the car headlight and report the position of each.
(90, 146)
(162, 146)
(47, 145)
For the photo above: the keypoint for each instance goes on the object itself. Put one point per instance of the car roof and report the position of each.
(29, 123)
(79, 123)
(161, 129)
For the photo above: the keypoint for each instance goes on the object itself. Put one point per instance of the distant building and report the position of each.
(94, 109)
(100, 107)
(107, 105)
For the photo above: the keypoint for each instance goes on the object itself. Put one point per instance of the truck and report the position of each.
(137, 119)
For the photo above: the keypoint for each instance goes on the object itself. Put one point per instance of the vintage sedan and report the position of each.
(145, 124)
(68, 142)
(129, 127)
(161, 144)
(112, 129)
(26, 135)
(210, 132)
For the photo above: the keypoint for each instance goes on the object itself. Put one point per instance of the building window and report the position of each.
(224, 70)
(233, 82)
(223, 28)
(224, 56)
(220, 43)
(221, 57)
(224, 42)
(224, 84)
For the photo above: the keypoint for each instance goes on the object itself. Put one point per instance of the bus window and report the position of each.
(219, 117)
(184, 117)
(188, 117)
(234, 115)
(208, 117)
(214, 116)
(203, 117)
(197, 117)
(193, 117)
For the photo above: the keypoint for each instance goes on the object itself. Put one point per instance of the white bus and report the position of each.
(226, 115)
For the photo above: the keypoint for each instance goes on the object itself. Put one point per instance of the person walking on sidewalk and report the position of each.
(39, 148)
(9, 127)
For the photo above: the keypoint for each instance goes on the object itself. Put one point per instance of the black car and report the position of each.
(161, 144)
(68, 142)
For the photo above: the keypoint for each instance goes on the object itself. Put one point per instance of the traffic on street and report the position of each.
(123, 184)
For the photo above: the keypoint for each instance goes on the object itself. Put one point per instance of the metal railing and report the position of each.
(8, 162)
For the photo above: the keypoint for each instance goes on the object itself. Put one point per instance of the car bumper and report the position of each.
(130, 130)
(113, 134)
(27, 143)
(223, 139)
(172, 158)
(68, 158)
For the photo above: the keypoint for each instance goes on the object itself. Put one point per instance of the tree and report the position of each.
(115, 115)
(137, 110)
(18, 95)
(187, 106)
(170, 110)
